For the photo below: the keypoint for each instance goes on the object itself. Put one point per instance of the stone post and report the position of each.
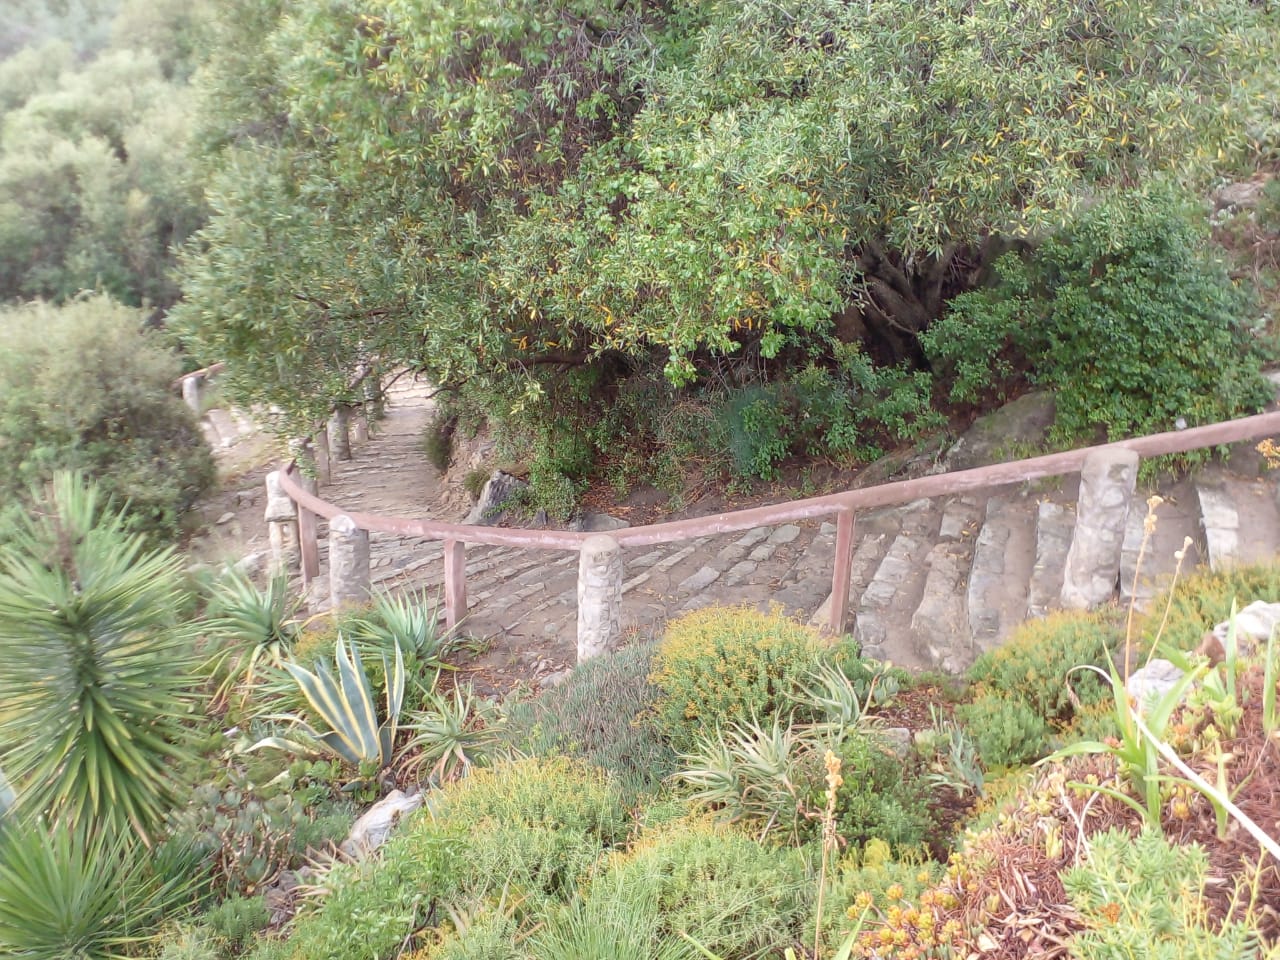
(359, 425)
(1107, 480)
(340, 433)
(349, 579)
(193, 393)
(282, 526)
(599, 596)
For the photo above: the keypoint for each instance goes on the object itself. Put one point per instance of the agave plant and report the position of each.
(409, 621)
(251, 627)
(345, 703)
(94, 676)
(454, 732)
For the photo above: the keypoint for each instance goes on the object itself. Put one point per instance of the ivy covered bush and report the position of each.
(1123, 314)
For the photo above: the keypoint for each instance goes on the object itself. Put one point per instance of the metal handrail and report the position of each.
(842, 505)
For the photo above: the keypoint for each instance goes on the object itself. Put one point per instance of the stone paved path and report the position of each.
(935, 582)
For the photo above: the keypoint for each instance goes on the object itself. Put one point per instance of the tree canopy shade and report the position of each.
(495, 191)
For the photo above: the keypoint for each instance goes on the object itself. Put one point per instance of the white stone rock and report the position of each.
(1253, 626)
(1153, 681)
(375, 825)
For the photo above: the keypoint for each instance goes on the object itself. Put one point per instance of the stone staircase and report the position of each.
(934, 582)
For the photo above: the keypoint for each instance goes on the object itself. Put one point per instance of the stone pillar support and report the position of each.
(339, 430)
(193, 393)
(599, 596)
(282, 525)
(349, 579)
(1107, 480)
(359, 425)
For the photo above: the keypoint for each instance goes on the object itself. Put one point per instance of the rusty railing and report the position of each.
(843, 506)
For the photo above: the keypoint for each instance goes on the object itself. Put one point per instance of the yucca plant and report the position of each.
(250, 628)
(83, 894)
(345, 703)
(94, 668)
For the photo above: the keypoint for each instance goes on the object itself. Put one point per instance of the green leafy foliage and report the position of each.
(721, 665)
(235, 920)
(83, 387)
(523, 833)
(345, 703)
(734, 896)
(249, 823)
(1203, 600)
(83, 893)
(249, 628)
(1036, 664)
(602, 714)
(1007, 730)
(1132, 272)
(97, 667)
(454, 732)
(510, 195)
(96, 191)
(771, 777)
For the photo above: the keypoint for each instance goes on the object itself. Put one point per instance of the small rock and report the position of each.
(1253, 626)
(1242, 196)
(898, 739)
(555, 679)
(1153, 681)
(225, 518)
(540, 518)
(252, 564)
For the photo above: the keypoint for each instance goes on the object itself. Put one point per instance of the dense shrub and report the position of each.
(83, 387)
(1036, 664)
(735, 897)
(601, 713)
(526, 831)
(881, 799)
(724, 664)
(1131, 272)
(1203, 600)
(851, 409)
(1006, 729)
(531, 827)
(772, 778)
